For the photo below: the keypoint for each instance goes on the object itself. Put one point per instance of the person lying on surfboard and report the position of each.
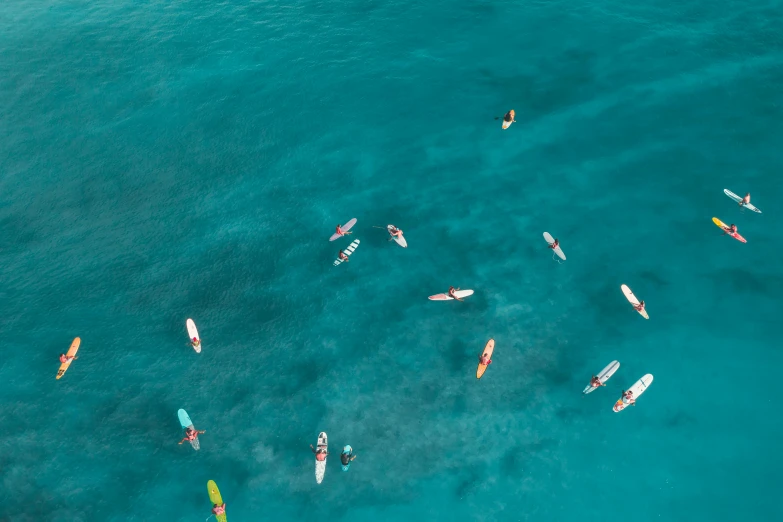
(628, 396)
(191, 435)
(341, 232)
(452, 293)
(195, 342)
(66, 358)
(320, 453)
(342, 256)
(509, 117)
(639, 307)
(745, 200)
(484, 359)
(219, 510)
(595, 382)
(555, 244)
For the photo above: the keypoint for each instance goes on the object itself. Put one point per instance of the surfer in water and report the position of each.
(484, 359)
(320, 453)
(745, 200)
(595, 382)
(628, 397)
(219, 510)
(452, 293)
(347, 458)
(555, 244)
(66, 358)
(508, 119)
(191, 435)
(341, 232)
(639, 307)
(395, 232)
(342, 256)
(195, 342)
(731, 229)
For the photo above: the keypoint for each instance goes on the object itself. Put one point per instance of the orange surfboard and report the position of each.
(71, 352)
(488, 349)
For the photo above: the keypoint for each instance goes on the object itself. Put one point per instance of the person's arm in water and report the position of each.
(183, 440)
(313, 449)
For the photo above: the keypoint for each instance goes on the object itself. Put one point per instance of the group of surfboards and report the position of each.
(628, 397)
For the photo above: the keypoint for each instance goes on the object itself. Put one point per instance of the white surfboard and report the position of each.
(550, 240)
(638, 389)
(192, 332)
(345, 228)
(348, 251)
(320, 465)
(445, 297)
(738, 199)
(399, 240)
(633, 300)
(604, 376)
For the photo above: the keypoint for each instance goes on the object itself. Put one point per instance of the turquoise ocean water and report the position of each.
(164, 160)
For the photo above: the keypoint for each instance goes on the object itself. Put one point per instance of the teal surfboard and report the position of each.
(185, 422)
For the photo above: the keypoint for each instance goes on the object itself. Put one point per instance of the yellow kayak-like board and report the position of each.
(215, 498)
(71, 353)
(488, 349)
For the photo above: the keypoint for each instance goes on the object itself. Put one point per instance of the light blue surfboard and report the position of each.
(185, 422)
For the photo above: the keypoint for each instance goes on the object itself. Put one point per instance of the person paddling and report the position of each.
(64, 359)
(342, 256)
(745, 201)
(347, 456)
(218, 510)
(191, 434)
(195, 342)
(595, 382)
(484, 359)
(639, 307)
(555, 244)
(453, 293)
(395, 232)
(509, 117)
(320, 453)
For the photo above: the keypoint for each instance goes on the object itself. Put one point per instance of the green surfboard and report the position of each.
(215, 498)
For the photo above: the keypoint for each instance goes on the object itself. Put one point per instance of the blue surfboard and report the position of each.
(185, 422)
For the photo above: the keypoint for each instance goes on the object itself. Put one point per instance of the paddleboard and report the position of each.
(320, 465)
(215, 498)
(633, 300)
(638, 388)
(507, 124)
(738, 199)
(550, 240)
(185, 422)
(399, 240)
(488, 349)
(71, 353)
(348, 226)
(725, 228)
(192, 332)
(347, 450)
(604, 376)
(446, 297)
(348, 251)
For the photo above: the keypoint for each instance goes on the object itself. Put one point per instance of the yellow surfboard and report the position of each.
(720, 223)
(71, 353)
(216, 499)
(488, 349)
